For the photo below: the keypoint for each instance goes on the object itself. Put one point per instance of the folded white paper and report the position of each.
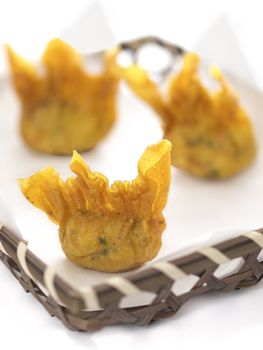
(219, 45)
(90, 32)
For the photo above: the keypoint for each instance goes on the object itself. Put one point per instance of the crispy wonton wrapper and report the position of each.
(64, 107)
(102, 227)
(211, 134)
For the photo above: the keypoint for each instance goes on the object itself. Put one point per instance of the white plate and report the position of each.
(198, 212)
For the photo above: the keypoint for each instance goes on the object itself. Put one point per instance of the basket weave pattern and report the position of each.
(165, 304)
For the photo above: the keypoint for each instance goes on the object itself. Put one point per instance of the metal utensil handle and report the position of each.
(134, 46)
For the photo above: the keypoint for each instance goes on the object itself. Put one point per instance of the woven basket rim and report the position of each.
(74, 313)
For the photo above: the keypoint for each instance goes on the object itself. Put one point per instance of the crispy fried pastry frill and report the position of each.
(64, 107)
(102, 227)
(211, 134)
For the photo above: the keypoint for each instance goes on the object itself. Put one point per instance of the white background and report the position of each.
(213, 321)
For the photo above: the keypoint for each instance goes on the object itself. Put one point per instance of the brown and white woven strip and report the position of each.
(171, 283)
(2, 249)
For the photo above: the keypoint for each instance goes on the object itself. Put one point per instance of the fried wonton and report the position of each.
(211, 134)
(63, 107)
(102, 227)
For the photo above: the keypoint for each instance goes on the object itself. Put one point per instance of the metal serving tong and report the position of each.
(134, 47)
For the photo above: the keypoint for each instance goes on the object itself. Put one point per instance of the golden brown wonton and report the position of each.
(64, 108)
(102, 227)
(211, 134)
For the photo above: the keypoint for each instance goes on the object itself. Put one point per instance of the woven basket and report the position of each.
(71, 307)
(74, 308)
